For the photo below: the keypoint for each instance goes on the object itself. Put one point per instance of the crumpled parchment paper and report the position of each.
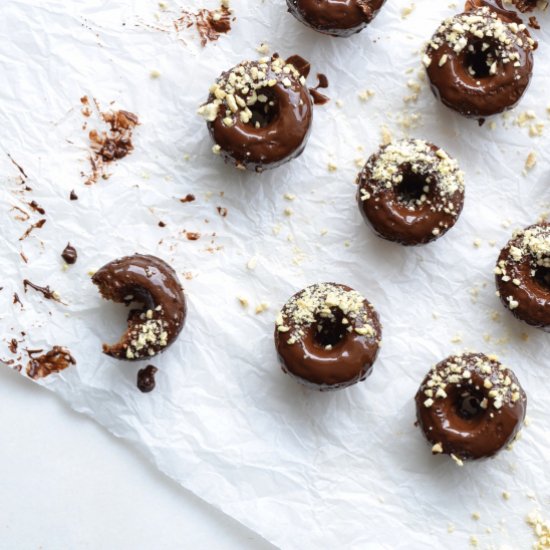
(303, 469)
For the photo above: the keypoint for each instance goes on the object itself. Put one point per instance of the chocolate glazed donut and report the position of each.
(153, 283)
(480, 63)
(259, 114)
(327, 337)
(335, 17)
(410, 192)
(470, 406)
(523, 275)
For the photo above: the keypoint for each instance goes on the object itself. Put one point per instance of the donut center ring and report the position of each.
(479, 59)
(412, 187)
(330, 330)
(542, 277)
(266, 111)
(468, 405)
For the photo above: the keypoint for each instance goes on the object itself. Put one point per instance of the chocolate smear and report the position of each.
(210, 24)
(55, 360)
(34, 226)
(46, 291)
(113, 144)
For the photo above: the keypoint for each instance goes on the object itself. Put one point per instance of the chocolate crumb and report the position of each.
(534, 23)
(55, 360)
(73, 196)
(17, 300)
(192, 236)
(188, 198)
(13, 345)
(221, 211)
(146, 379)
(162, 224)
(69, 254)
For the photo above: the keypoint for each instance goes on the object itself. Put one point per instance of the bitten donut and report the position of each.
(480, 63)
(335, 17)
(327, 336)
(410, 192)
(523, 275)
(259, 114)
(152, 282)
(470, 406)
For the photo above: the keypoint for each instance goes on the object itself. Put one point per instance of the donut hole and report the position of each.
(264, 112)
(412, 187)
(330, 330)
(478, 60)
(542, 277)
(468, 405)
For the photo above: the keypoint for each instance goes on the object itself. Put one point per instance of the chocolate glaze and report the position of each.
(282, 139)
(146, 379)
(393, 219)
(55, 360)
(335, 17)
(458, 423)
(349, 361)
(153, 283)
(532, 294)
(69, 254)
(479, 96)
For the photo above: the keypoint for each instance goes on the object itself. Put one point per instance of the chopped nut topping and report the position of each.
(460, 32)
(325, 303)
(458, 370)
(247, 85)
(385, 170)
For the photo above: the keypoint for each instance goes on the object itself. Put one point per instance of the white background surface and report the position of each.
(66, 483)
(224, 421)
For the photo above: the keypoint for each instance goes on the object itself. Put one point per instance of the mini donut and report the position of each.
(152, 282)
(335, 17)
(480, 63)
(327, 336)
(259, 114)
(523, 275)
(470, 406)
(410, 192)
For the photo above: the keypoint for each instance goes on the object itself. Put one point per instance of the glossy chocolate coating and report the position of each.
(479, 96)
(532, 294)
(152, 282)
(348, 362)
(281, 140)
(335, 17)
(393, 219)
(470, 437)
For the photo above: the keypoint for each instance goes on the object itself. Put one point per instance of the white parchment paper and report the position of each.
(303, 469)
